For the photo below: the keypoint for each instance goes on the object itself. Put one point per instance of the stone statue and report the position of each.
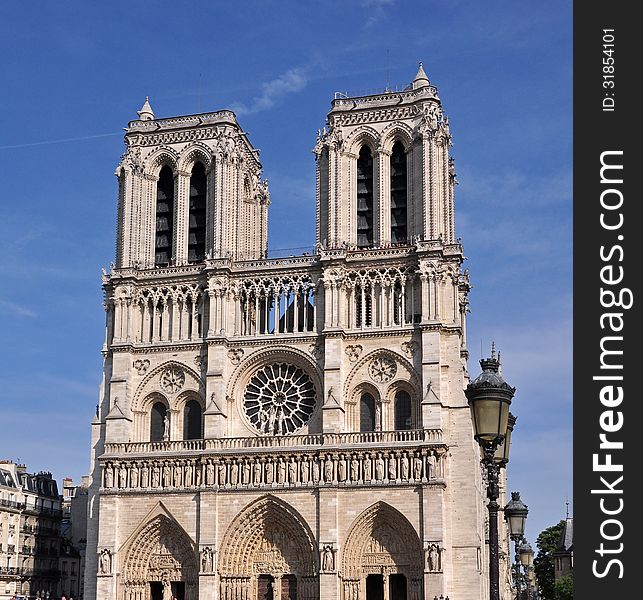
(109, 476)
(145, 476)
(167, 475)
(316, 473)
(272, 417)
(270, 472)
(156, 476)
(404, 467)
(292, 470)
(122, 477)
(354, 469)
(178, 476)
(392, 467)
(431, 466)
(379, 468)
(378, 416)
(257, 474)
(328, 469)
(328, 559)
(245, 473)
(105, 562)
(206, 560)
(434, 558)
(209, 473)
(166, 428)
(222, 473)
(167, 586)
(367, 468)
(281, 471)
(417, 468)
(304, 469)
(189, 475)
(234, 473)
(341, 469)
(280, 421)
(133, 478)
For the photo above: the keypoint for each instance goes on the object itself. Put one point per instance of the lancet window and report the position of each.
(365, 198)
(398, 195)
(196, 231)
(157, 421)
(270, 306)
(402, 410)
(164, 218)
(367, 410)
(192, 421)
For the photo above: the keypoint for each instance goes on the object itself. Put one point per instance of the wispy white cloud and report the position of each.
(376, 9)
(293, 80)
(16, 310)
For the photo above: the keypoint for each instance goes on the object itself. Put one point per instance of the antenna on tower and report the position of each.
(567, 507)
(387, 73)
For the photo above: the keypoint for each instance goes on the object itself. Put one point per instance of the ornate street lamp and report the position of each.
(502, 453)
(526, 555)
(516, 514)
(489, 397)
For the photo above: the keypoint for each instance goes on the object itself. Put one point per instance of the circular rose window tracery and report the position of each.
(279, 399)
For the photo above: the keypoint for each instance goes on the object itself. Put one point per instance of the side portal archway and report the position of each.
(382, 557)
(268, 552)
(159, 560)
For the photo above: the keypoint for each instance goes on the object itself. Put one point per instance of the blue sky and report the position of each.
(74, 73)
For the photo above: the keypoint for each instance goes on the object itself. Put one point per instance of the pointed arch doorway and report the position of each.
(382, 558)
(159, 561)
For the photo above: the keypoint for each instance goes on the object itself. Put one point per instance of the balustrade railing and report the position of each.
(275, 441)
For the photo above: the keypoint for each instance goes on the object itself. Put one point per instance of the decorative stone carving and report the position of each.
(172, 379)
(235, 355)
(104, 562)
(434, 557)
(207, 561)
(200, 361)
(353, 352)
(382, 369)
(141, 366)
(409, 348)
(327, 558)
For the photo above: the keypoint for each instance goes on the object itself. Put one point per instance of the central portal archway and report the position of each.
(268, 554)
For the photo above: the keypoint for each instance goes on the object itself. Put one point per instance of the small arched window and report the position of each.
(402, 410)
(157, 422)
(365, 198)
(164, 218)
(367, 412)
(398, 195)
(192, 418)
(196, 232)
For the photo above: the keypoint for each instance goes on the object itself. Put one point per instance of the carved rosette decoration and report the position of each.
(382, 369)
(172, 379)
(353, 352)
(279, 399)
(235, 355)
(141, 366)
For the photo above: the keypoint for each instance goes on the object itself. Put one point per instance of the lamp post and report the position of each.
(516, 514)
(489, 397)
(526, 555)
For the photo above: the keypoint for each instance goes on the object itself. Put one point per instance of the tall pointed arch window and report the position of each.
(402, 410)
(365, 198)
(192, 417)
(196, 232)
(157, 422)
(398, 195)
(367, 412)
(164, 218)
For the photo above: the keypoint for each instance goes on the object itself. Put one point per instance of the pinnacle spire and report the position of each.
(421, 80)
(146, 113)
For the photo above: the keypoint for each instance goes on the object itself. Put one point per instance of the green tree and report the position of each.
(564, 587)
(547, 543)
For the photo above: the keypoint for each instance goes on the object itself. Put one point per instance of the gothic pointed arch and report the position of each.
(381, 540)
(158, 551)
(268, 538)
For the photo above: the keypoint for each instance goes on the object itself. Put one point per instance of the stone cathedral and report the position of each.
(287, 428)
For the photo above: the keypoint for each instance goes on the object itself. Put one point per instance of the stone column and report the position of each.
(181, 216)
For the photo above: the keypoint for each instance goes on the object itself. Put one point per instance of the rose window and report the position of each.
(382, 369)
(172, 379)
(279, 399)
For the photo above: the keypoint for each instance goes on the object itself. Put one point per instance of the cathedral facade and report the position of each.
(287, 428)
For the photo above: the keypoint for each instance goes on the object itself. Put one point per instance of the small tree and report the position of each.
(564, 587)
(547, 542)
